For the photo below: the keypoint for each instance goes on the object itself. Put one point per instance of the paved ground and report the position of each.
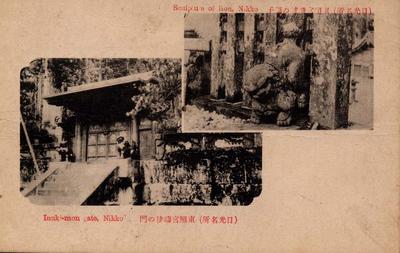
(360, 113)
(196, 119)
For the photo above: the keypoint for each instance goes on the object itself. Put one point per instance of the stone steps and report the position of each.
(57, 185)
(71, 183)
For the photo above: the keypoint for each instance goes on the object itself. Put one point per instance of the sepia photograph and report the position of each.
(278, 71)
(199, 126)
(108, 132)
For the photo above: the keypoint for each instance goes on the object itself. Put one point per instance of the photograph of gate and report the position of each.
(108, 132)
(278, 71)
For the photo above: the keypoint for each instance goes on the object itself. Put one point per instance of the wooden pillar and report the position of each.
(270, 31)
(78, 140)
(330, 77)
(249, 25)
(84, 139)
(231, 87)
(215, 64)
(134, 130)
(137, 173)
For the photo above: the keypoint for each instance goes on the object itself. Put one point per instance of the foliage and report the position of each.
(27, 168)
(30, 112)
(66, 72)
(114, 68)
(160, 100)
(362, 24)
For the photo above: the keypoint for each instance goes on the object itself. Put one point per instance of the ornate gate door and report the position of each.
(102, 139)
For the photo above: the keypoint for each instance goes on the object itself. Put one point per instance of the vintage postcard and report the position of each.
(172, 126)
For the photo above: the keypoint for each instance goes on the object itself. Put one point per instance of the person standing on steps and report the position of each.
(125, 189)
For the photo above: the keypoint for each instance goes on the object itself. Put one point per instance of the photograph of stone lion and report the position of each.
(278, 71)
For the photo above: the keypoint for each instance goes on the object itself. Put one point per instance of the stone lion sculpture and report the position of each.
(277, 87)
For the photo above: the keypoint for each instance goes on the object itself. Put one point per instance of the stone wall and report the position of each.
(227, 176)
